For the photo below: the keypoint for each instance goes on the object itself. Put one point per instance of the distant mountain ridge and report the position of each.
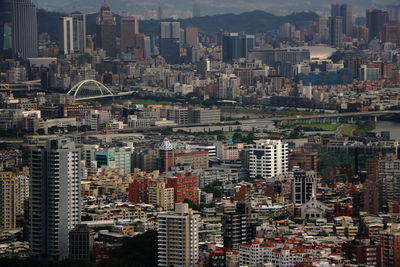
(248, 22)
(208, 7)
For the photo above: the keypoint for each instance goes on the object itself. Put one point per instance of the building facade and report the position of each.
(105, 31)
(268, 158)
(24, 29)
(129, 30)
(54, 202)
(178, 237)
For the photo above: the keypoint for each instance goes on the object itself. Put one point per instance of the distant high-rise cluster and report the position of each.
(340, 22)
(375, 22)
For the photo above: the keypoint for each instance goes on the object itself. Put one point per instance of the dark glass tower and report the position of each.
(375, 21)
(24, 28)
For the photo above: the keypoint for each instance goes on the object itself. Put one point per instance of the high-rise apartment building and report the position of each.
(129, 29)
(335, 25)
(303, 186)
(346, 12)
(66, 35)
(54, 201)
(268, 158)
(375, 21)
(105, 31)
(389, 176)
(178, 237)
(24, 29)
(8, 201)
(79, 32)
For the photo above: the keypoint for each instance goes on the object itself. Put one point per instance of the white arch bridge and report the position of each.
(92, 89)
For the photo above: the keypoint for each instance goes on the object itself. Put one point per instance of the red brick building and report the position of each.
(390, 240)
(185, 186)
(167, 159)
(138, 189)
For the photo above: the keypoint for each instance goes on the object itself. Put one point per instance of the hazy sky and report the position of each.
(209, 6)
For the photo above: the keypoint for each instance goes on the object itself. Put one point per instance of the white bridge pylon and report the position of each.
(99, 91)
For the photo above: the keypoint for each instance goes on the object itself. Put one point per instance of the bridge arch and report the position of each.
(89, 89)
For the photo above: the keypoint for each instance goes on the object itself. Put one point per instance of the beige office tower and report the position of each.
(161, 196)
(8, 203)
(178, 237)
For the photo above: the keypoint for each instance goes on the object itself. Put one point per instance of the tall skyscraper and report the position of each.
(170, 34)
(178, 237)
(268, 158)
(129, 29)
(335, 10)
(5, 29)
(335, 31)
(105, 31)
(66, 35)
(346, 12)
(54, 197)
(79, 32)
(24, 29)
(375, 21)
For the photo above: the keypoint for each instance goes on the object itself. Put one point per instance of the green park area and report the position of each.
(348, 129)
(321, 127)
(359, 129)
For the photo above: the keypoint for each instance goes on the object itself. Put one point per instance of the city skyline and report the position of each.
(214, 141)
